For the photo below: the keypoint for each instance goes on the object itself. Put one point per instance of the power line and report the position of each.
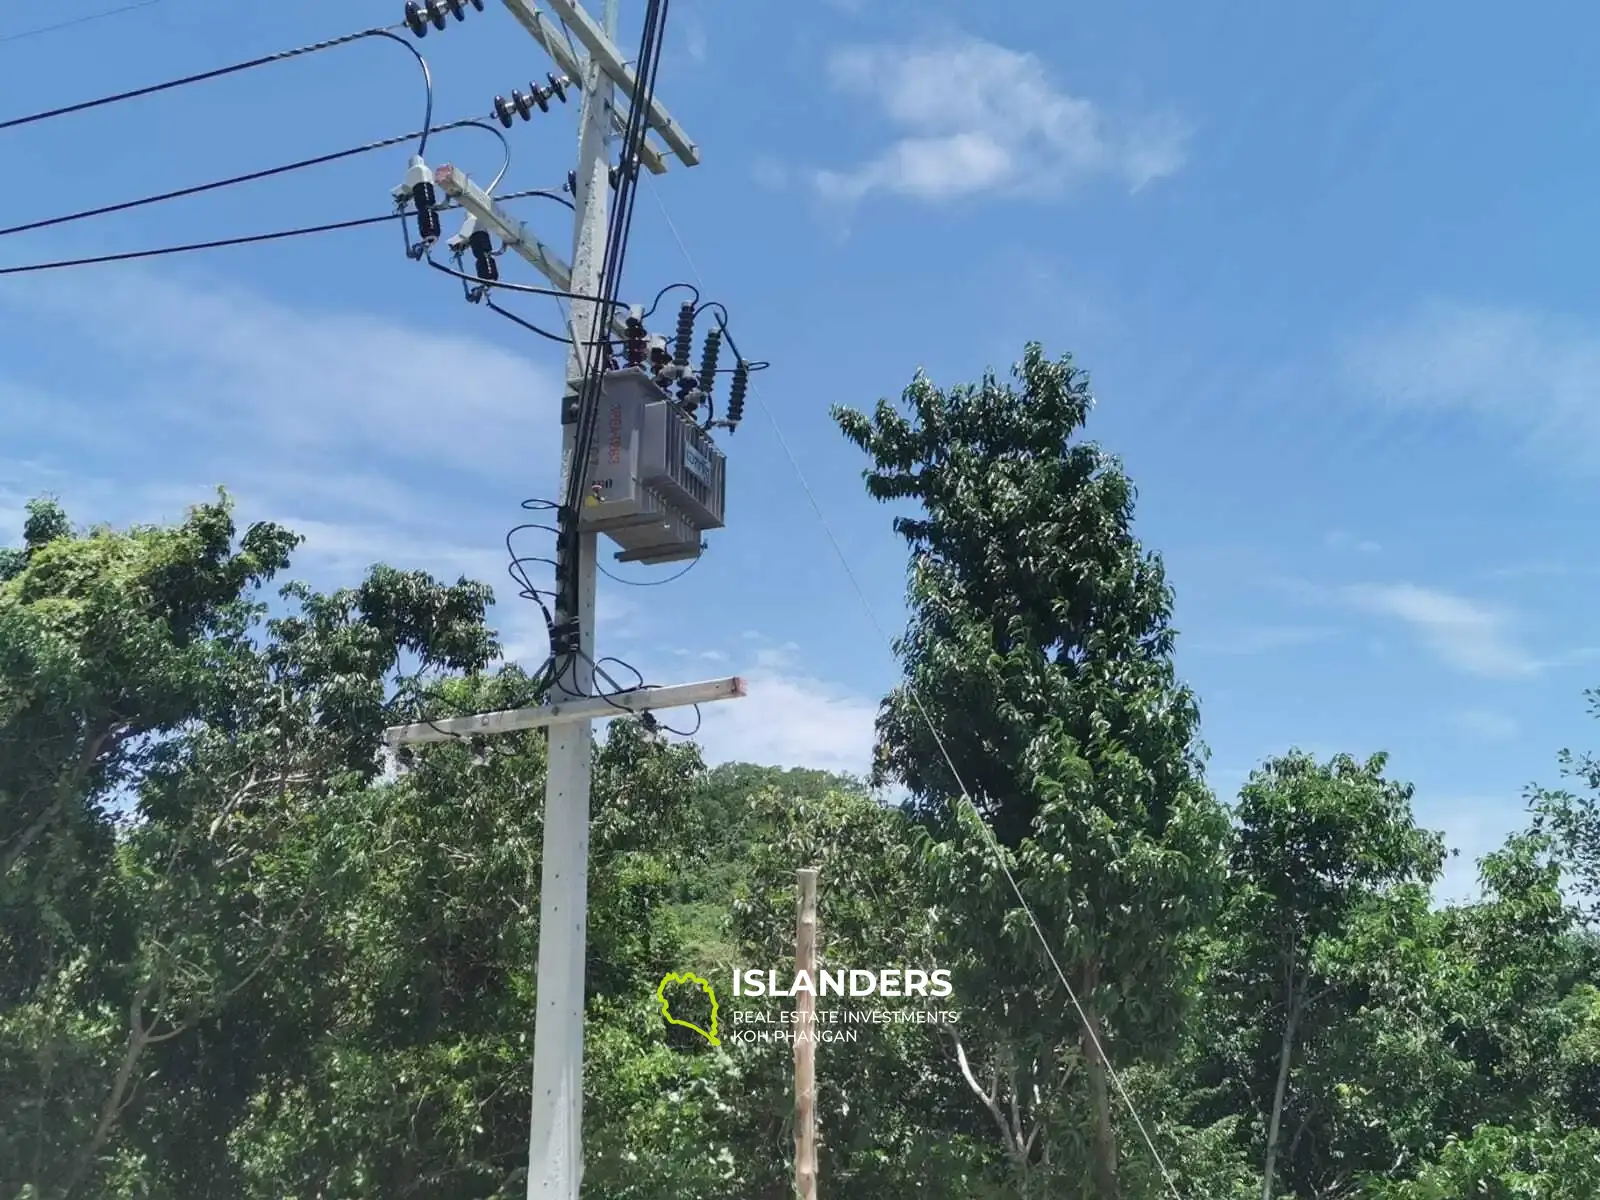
(235, 68)
(86, 19)
(250, 176)
(944, 751)
(251, 239)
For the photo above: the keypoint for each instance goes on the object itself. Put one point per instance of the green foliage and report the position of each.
(1040, 685)
(1497, 1163)
(236, 960)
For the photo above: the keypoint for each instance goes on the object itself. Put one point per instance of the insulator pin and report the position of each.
(425, 198)
(483, 256)
(418, 16)
(636, 346)
(683, 343)
(736, 393)
(708, 362)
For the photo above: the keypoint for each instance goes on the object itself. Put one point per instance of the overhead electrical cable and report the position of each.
(565, 636)
(219, 243)
(949, 759)
(637, 126)
(238, 67)
(86, 19)
(253, 176)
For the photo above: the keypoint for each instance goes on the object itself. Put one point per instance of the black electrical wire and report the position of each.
(661, 295)
(648, 582)
(527, 288)
(650, 720)
(235, 68)
(615, 255)
(527, 324)
(647, 63)
(219, 243)
(566, 634)
(83, 20)
(251, 176)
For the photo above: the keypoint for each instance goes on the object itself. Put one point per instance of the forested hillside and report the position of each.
(238, 960)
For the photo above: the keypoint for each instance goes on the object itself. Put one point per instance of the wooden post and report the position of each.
(805, 1046)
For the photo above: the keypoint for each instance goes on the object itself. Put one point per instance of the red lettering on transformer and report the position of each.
(615, 448)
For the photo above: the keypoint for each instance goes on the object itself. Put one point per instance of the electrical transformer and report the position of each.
(655, 480)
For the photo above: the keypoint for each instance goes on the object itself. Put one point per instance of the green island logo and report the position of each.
(666, 1005)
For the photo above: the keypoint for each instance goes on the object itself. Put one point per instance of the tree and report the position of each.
(160, 744)
(1315, 843)
(1039, 683)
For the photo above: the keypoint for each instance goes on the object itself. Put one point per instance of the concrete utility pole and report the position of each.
(555, 1136)
(805, 1046)
(555, 1147)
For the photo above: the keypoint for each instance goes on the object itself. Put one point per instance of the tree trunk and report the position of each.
(1280, 1091)
(1103, 1147)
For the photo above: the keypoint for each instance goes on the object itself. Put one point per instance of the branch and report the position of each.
(115, 1102)
(989, 1099)
(110, 739)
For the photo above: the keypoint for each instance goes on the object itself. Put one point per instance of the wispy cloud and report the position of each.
(1532, 376)
(352, 429)
(1469, 636)
(976, 117)
(1259, 639)
(790, 718)
(1343, 540)
(1494, 726)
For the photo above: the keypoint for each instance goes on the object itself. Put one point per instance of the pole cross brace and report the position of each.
(562, 55)
(610, 60)
(579, 708)
(481, 206)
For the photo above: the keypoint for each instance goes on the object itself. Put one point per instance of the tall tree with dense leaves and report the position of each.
(160, 741)
(1039, 680)
(1315, 844)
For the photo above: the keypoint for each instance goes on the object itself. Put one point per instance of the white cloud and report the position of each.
(1532, 377)
(1339, 539)
(1260, 639)
(1493, 726)
(976, 117)
(1469, 636)
(352, 429)
(291, 388)
(789, 718)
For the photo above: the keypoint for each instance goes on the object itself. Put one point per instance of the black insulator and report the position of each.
(523, 107)
(478, 4)
(683, 343)
(636, 347)
(483, 255)
(658, 353)
(504, 112)
(415, 20)
(435, 12)
(539, 96)
(572, 183)
(736, 391)
(613, 175)
(424, 197)
(708, 361)
(558, 86)
(458, 10)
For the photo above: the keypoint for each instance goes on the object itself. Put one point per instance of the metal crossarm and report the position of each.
(586, 708)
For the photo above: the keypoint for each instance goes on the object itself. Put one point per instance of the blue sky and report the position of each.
(1327, 272)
